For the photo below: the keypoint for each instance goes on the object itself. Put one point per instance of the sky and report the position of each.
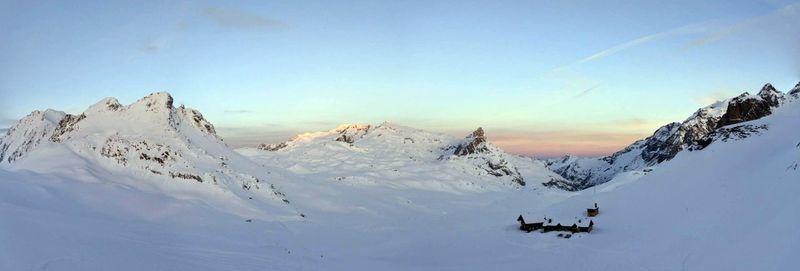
(543, 78)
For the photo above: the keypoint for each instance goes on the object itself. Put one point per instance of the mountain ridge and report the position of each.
(694, 133)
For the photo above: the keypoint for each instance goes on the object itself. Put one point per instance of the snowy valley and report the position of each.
(151, 186)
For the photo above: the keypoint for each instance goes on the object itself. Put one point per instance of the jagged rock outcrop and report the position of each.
(66, 125)
(27, 133)
(476, 143)
(488, 157)
(272, 147)
(795, 92)
(726, 134)
(349, 133)
(746, 107)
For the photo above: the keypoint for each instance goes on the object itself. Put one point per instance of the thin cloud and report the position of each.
(634, 43)
(234, 18)
(223, 17)
(736, 27)
(586, 91)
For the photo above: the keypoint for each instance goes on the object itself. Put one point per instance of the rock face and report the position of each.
(795, 92)
(476, 143)
(149, 137)
(725, 134)
(27, 133)
(349, 133)
(487, 157)
(694, 133)
(746, 107)
(272, 147)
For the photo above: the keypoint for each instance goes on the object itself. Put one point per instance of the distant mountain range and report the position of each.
(718, 121)
(156, 138)
(151, 186)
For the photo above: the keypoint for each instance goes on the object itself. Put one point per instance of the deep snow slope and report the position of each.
(731, 206)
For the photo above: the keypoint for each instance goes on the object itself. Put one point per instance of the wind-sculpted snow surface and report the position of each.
(669, 140)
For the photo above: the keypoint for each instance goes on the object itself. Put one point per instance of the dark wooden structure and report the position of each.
(575, 228)
(529, 227)
(586, 229)
(593, 212)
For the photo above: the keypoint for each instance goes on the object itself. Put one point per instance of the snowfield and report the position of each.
(384, 197)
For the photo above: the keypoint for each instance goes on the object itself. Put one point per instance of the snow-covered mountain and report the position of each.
(667, 141)
(173, 148)
(64, 206)
(396, 155)
(81, 194)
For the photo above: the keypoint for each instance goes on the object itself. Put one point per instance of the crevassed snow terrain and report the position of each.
(369, 201)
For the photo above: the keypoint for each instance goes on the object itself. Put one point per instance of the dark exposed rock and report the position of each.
(187, 176)
(66, 125)
(726, 134)
(272, 147)
(476, 143)
(198, 120)
(747, 107)
(660, 146)
(553, 183)
(771, 95)
(705, 126)
(157, 98)
(352, 132)
(476, 147)
(795, 91)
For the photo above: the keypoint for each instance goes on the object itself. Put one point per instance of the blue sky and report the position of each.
(542, 77)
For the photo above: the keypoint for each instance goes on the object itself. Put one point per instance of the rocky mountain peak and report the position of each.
(27, 133)
(767, 88)
(198, 120)
(475, 143)
(105, 105)
(478, 133)
(746, 107)
(155, 102)
(349, 133)
(700, 129)
(795, 91)
(771, 95)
